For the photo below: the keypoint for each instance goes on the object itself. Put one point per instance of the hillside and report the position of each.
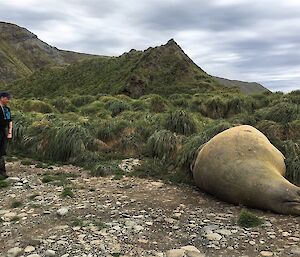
(162, 70)
(159, 70)
(22, 53)
(245, 87)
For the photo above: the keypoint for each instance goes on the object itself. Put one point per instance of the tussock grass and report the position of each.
(81, 100)
(156, 103)
(189, 151)
(110, 129)
(16, 204)
(3, 183)
(67, 192)
(215, 128)
(282, 112)
(293, 170)
(37, 106)
(116, 106)
(271, 129)
(63, 104)
(90, 137)
(248, 220)
(162, 144)
(179, 121)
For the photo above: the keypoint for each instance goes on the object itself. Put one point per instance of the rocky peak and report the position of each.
(14, 33)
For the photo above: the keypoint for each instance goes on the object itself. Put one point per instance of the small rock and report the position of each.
(170, 220)
(29, 249)
(157, 184)
(49, 253)
(62, 211)
(295, 250)
(190, 248)
(13, 252)
(13, 179)
(285, 233)
(9, 216)
(34, 255)
(266, 253)
(295, 239)
(213, 236)
(224, 232)
(209, 228)
(175, 253)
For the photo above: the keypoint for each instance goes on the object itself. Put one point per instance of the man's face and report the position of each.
(5, 100)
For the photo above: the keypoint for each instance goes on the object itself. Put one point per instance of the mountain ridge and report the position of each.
(22, 53)
(159, 69)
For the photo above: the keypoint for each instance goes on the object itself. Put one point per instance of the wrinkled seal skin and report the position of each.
(241, 166)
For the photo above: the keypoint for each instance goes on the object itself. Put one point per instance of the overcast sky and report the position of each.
(256, 40)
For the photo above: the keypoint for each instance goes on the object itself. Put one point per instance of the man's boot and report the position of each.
(3, 174)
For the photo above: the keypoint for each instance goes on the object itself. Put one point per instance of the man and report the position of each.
(5, 130)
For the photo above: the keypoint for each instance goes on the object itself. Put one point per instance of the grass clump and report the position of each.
(102, 170)
(76, 222)
(180, 122)
(63, 104)
(116, 106)
(100, 224)
(47, 179)
(151, 168)
(293, 170)
(162, 144)
(3, 183)
(37, 106)
(27, 162)
(188, 153)
(248, 220)
(80, 100)
(157, 103)
(16, 204)
(107, 130)
(119, 174)
(283, 112)
(59, 178)
(67, 192)
(33, 196)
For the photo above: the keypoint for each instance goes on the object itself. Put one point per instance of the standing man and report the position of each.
(5, 130)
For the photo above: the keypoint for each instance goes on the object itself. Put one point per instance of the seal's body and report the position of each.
(241, 166)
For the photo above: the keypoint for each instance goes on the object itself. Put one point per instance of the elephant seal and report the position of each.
(241, 166)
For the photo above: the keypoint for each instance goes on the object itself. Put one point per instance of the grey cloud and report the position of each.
(240, 40)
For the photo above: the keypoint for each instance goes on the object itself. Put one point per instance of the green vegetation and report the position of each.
(58, 178)
(33, 196)
(16, 204)
(67, 192)
(23, 53)
(161, 70)
(3, 183)
(180, 122)
(152, 128)
(248, 220)
(155, 105)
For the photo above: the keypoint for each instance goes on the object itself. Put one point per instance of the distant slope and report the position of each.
(162, 70)
(30, 67)
(22, 53)
(245, 87)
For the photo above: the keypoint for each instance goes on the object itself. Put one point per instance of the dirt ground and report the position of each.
(129, 217)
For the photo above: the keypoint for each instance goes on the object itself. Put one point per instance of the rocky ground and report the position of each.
(128, 217)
